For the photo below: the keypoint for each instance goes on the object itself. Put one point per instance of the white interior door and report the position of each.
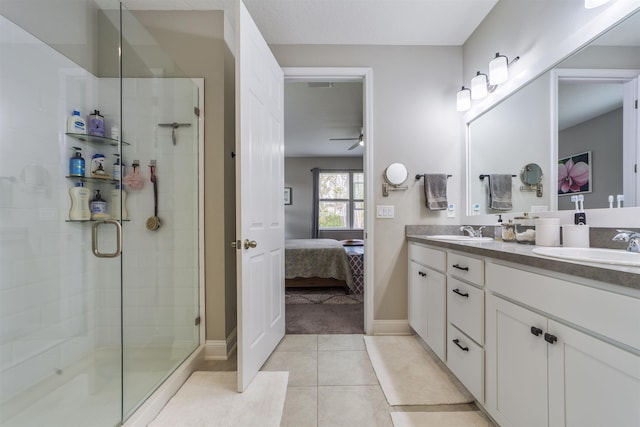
(260, 198)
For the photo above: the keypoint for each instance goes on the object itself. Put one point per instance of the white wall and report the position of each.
(414, 122)
(298, 176)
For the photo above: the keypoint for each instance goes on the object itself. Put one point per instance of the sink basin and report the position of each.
(458, 238)
(606, 256)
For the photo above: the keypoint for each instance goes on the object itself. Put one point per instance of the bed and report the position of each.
(317, 262)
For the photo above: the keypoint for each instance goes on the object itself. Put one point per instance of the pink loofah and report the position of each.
(134, 181)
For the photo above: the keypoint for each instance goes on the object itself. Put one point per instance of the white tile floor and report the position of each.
(331, 383)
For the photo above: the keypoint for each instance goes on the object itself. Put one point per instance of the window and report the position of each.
(340, 200)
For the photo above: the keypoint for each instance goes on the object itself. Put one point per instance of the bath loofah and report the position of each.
(134, 181)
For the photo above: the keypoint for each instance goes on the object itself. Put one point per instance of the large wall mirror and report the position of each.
(578, 122)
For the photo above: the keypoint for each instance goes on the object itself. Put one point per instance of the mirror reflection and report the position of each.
(596, 119)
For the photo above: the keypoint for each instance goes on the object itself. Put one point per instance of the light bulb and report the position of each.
(463, 99)
(479, 86)
(498, 70)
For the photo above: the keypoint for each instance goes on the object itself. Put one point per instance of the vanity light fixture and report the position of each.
(499, 69)
(591, 4)
(463, 99)
(479, 86)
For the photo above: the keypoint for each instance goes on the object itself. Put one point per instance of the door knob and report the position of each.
(250, 243)
(235, 244)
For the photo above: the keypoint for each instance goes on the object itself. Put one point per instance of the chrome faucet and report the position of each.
(473, 233)
(629, 236)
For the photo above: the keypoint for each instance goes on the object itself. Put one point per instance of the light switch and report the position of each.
(385, 211)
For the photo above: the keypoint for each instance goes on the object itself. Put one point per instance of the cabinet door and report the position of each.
(427, 306)
(516, 371)
(591, 382)
(417, 299)
(436, 312)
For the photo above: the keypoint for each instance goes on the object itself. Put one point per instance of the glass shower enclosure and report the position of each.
(97, 308)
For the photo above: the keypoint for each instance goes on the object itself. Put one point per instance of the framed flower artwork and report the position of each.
(574, 174)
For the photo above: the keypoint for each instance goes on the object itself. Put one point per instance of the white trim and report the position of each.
(220, 349)
(199, 82)
(154, 404)
(366, 76)
(391, 327)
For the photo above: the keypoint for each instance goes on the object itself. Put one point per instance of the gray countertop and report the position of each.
(522, 254)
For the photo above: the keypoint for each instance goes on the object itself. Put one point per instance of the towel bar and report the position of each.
(418, 176)
(482, 177)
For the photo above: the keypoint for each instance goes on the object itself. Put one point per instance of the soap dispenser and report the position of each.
(98, 207)
(76, 163)
(497, 230)
(79, 210)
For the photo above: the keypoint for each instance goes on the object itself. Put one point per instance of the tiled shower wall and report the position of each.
(58, 303)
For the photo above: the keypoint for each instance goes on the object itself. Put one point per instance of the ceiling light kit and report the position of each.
(482, 85)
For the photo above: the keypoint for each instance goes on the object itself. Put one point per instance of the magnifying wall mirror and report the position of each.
(395, 175)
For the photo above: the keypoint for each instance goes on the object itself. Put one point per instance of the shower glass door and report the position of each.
(85, 339)
(160, 249)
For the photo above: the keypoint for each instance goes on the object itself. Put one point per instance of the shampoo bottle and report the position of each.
(76, 163)
(119, 203)
(76, 124)
(79, 210)
(96, 124)
(118, 168)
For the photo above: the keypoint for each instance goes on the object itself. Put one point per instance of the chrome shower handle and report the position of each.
(94, 239)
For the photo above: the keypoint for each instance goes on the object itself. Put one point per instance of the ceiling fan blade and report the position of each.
(357, 144)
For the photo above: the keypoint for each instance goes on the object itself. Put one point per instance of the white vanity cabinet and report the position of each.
(465, 318)
(427, 296)
(560, 353)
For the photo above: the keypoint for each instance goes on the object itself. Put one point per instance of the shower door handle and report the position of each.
(94, 239)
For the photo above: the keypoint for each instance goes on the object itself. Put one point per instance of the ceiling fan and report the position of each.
(359, 139)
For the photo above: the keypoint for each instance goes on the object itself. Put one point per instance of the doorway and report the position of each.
(327, 156)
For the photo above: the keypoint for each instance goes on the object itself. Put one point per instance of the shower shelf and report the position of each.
(95, 139)
(93, 179)
(93, 220)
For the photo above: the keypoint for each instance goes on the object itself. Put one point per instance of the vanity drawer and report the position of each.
(465, 308)
(466, 268)
(428, 257)
(466, 360)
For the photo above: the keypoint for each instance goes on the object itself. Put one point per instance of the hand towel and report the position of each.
(500, 192)
(435, 191)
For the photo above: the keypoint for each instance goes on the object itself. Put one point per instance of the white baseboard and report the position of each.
(391, 327)
(220, 349)
(154, 404)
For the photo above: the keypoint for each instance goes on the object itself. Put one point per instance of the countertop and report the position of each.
(523, 254)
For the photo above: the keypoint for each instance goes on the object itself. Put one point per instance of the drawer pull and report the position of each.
(551, 339)
(422, 273)
(457, 342)
(457, 291)
(536, 331)
(460, 268)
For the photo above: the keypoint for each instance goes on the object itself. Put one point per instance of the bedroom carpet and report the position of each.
(323, 311)
(410, 375)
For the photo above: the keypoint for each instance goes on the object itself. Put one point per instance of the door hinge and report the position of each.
(197, 322)
(196, 111)
(636, 104)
